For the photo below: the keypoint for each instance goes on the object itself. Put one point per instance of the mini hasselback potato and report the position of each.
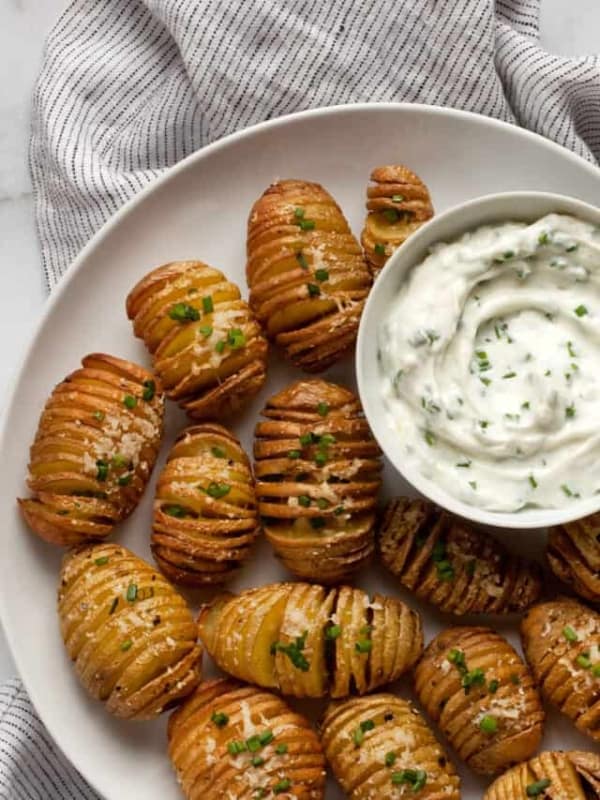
(561, 641)
(443, 559)
(398, 203)
(207, 347)
(95, 447)
(131, 636)
(205, 517)
(380, 746)
(574, 555)
(234, 741)
(317, 470)
(307, 275)
(476, 687)
(555, 775)
(308, 641)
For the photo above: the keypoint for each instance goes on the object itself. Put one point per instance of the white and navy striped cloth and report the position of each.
(129, 87)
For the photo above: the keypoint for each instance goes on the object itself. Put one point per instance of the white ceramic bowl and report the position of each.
(521, 206)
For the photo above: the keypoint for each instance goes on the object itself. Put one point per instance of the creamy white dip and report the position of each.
(490, 364)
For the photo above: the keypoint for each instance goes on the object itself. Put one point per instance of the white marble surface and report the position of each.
(567, 29)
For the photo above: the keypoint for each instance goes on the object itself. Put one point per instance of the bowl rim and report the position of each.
(405, 258)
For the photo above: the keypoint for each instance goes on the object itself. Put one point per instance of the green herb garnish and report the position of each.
(129, 401)
(182, 312)
(293, 650)
(149, 391)
(220, 719)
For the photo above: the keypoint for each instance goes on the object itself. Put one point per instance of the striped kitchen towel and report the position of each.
(129, 87)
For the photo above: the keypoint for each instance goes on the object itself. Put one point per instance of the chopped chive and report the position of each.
(415, 778)
(493, 686)
(390, 759)
(323, 409)
(299, 213)
(485, 381)
(129, 401)
(567, 490)
(294, 454)
(569, 634)
(476, 677)
(305, 439)
(570, 411)
(322, 275)
(391, 215)
(304, 500)
(544, 238)
(571, 248)
(99, 415)
(488, 724)
(218, 452)
(510, 375)
(333, 632)
(537, 788)
(125, 480)
(583, 660)
(126, 645)
(132, 591)
(323, 503)
(281, 749)
(266, 737)
(216, 490)
(182, 312)
(174, 511)
(379, 249)
(257, 761)
(581, 310)
(149, 391)
(301, 259)
(363, 646)
(220, 346)
(206, 330)
(525, 405)
(533, 482)
(207, 304)
(429, 437)
(293, 651)
(220, 719)
(464, 464)
(320, 459)
(235, 748)
(473, 485)
(236, 338)
(397, 198)
(313, 289)
(102, 470)
(282, 786)
(99, 562)
(307, 224)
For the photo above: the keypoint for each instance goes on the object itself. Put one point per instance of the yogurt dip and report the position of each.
(490, 364)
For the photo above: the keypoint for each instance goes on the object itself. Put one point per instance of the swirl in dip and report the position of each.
(490, 364)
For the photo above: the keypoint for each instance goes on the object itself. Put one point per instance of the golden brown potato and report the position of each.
(205, 517)
(475, 686)
(574, 555)
(308, 641)
(318, 475)
(397, 204)
(234, 741)
(307, 275)
(443, 559)
(95, 447)
(561, 641)
(207, 347)
(573, 775)
(130, 635)
(380, 746)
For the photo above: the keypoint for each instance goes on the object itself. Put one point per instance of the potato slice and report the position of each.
(573, 553)
(561, 642)
(236, 741)
(318, 476)
(397, 204)
(380, 745)
(131, 637)
(475, 685)
(207, 346)
(573, 774)
(446, 561)
(307, 641)
(96, 444)
(307, 276)
(205, 515)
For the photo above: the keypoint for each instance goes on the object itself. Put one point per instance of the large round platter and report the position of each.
(199, 210)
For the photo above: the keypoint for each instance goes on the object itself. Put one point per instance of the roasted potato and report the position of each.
(307, 275)
(380, 746)
(574, 555)
(130, 635)
(205, 517)
(95, 447)
(561, 641)
(308, 641)
(398, 203)
(207, 346)
(571, 775)
(448, 562)
(234, 741)
(318, 475)
(475, 686)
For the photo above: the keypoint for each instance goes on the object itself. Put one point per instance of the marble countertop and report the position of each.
(567, 29)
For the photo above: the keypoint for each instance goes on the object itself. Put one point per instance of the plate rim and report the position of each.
(10, 628)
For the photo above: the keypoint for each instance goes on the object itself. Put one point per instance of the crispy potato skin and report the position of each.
(357, 757)
(202, 538)
(207, 346)
(398, 203)
(574, 555)
(570, 686)
(309, 641)
(454, 566)
(206, 770)
(458, 709)
(307, 275)
(573, 774)
(94, 450)
(317, 469)
(131, 637)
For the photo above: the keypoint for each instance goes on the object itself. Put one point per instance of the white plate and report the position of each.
(199, 210)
